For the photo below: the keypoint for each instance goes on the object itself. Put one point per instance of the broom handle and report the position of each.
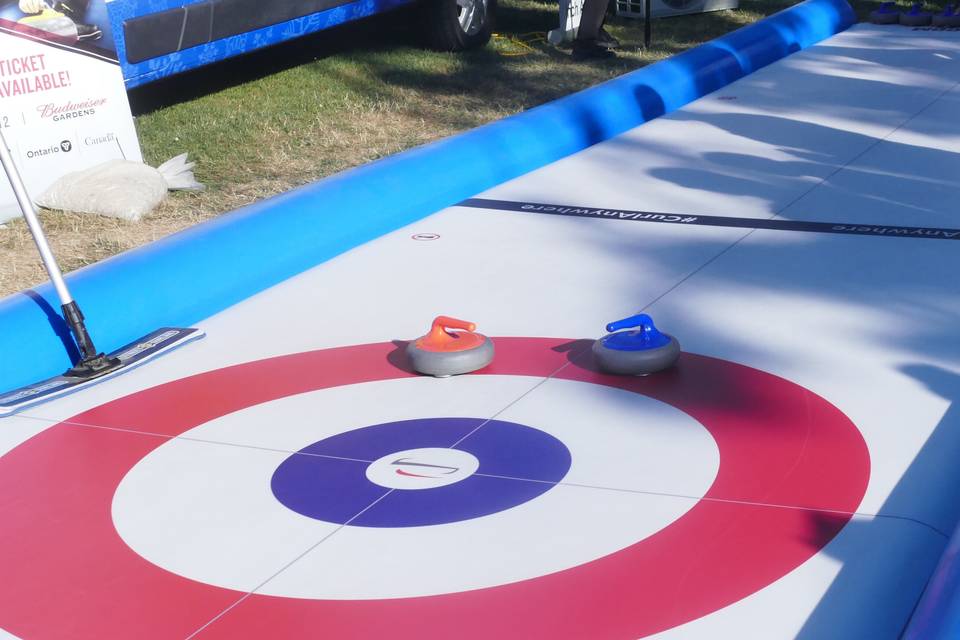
(30, 213)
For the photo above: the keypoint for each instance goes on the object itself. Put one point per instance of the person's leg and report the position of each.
(586, 44)
(606, 40)
(591, 19)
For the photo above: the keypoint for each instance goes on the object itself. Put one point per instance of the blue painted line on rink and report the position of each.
(192, 275)
(888, 231)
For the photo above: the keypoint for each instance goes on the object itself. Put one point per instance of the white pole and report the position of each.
(30, 213)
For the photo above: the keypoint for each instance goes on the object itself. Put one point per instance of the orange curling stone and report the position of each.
(451, 348)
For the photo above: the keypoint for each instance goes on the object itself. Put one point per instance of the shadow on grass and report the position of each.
(383, 35)
(377, 40)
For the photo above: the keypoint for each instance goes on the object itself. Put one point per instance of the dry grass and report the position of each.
(276, 120)
(79, 240)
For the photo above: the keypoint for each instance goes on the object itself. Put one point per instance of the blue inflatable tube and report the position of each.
(189, 276)
(937, 616)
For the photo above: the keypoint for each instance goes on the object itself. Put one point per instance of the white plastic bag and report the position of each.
(120, 188)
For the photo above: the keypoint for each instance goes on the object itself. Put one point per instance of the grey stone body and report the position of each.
(636, 363)
(946, 21)
(453, 363)
(916, 20)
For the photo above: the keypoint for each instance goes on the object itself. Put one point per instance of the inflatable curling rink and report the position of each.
(781, 202)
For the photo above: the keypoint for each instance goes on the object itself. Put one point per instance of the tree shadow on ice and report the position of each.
(891, 184)
(889, 296)
(865, 548)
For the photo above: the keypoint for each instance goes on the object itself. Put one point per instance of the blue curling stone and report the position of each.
(916, 16)
(635, 347)
(888, 13)
(947, 18)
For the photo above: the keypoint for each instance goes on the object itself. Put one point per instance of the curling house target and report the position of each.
(779, 444)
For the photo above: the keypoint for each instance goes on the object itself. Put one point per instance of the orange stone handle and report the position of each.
(441, 338)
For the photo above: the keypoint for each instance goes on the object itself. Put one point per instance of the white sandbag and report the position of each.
(179, 174)
(120, 188)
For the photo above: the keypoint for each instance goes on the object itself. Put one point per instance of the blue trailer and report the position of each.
(152, 39)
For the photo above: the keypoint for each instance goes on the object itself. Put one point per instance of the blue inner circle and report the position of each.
(327, 480)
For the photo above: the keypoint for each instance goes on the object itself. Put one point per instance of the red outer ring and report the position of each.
(68, 574)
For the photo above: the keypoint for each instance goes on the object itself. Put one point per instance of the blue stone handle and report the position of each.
(641, 320)
(641, 334)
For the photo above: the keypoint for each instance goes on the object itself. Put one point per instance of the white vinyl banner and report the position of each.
(63, 106)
